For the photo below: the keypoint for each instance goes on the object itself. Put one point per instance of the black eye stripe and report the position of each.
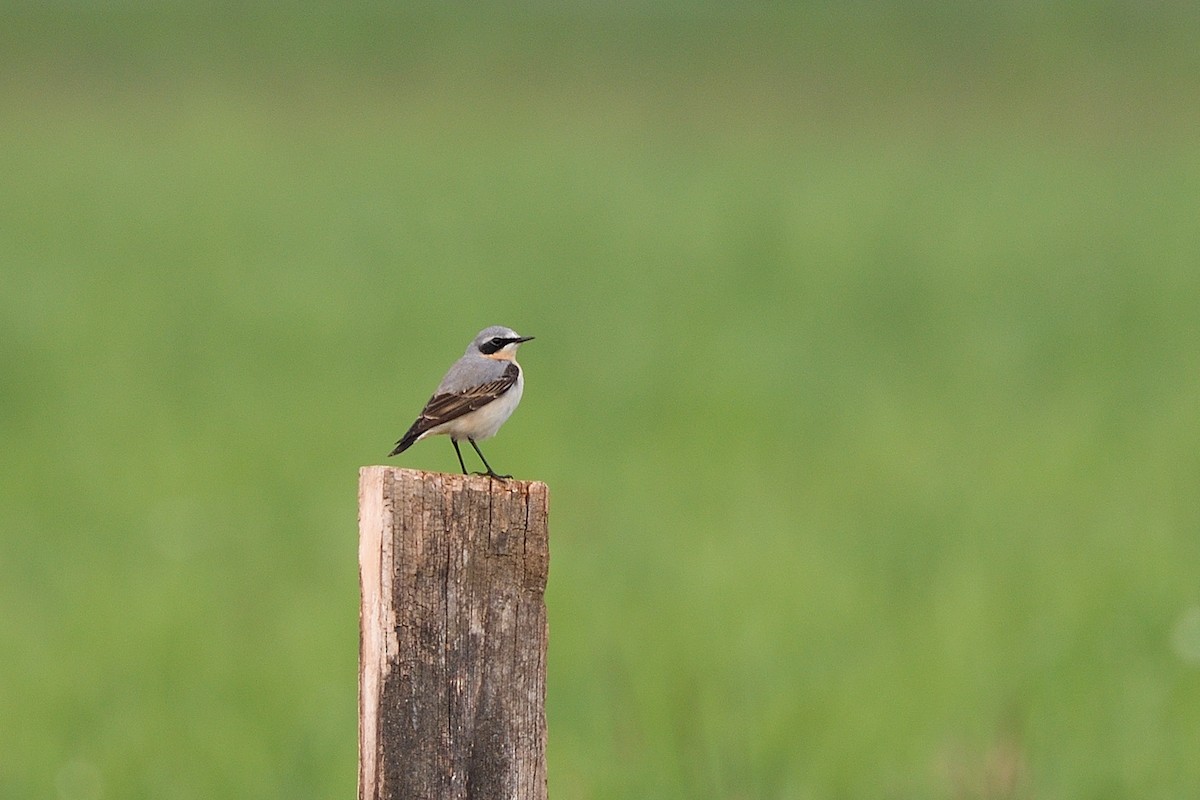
(493, 345)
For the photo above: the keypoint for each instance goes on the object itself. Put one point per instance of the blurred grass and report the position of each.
(866, 384)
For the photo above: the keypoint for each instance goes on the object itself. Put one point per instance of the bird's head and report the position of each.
(497, 342)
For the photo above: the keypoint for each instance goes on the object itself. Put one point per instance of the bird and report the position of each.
(478, 394)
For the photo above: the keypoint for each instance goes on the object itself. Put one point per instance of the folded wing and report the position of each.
(443, 408)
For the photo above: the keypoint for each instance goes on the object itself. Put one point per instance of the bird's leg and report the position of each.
(489, 472)
(458, 453)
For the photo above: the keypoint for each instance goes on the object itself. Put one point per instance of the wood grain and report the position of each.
(452, 657)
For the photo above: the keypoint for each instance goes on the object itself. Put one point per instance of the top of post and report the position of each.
(449, 481)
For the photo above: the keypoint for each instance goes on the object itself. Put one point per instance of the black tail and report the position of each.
(406, 441)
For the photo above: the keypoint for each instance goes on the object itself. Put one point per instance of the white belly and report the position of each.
(484, 422)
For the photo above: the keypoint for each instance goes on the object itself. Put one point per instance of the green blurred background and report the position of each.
(866, 382)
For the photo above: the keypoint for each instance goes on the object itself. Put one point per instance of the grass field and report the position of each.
(866, 382)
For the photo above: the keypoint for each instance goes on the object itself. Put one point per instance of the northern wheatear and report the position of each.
(480, 391)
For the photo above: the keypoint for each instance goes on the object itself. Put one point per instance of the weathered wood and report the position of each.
(452, 656)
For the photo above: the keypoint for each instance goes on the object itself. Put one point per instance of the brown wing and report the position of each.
(442, 408)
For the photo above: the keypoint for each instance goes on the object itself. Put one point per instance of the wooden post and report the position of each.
(452, 655)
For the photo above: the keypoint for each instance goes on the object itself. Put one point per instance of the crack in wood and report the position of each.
(464, 610)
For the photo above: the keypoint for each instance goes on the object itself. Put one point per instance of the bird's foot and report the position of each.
(493, 475)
